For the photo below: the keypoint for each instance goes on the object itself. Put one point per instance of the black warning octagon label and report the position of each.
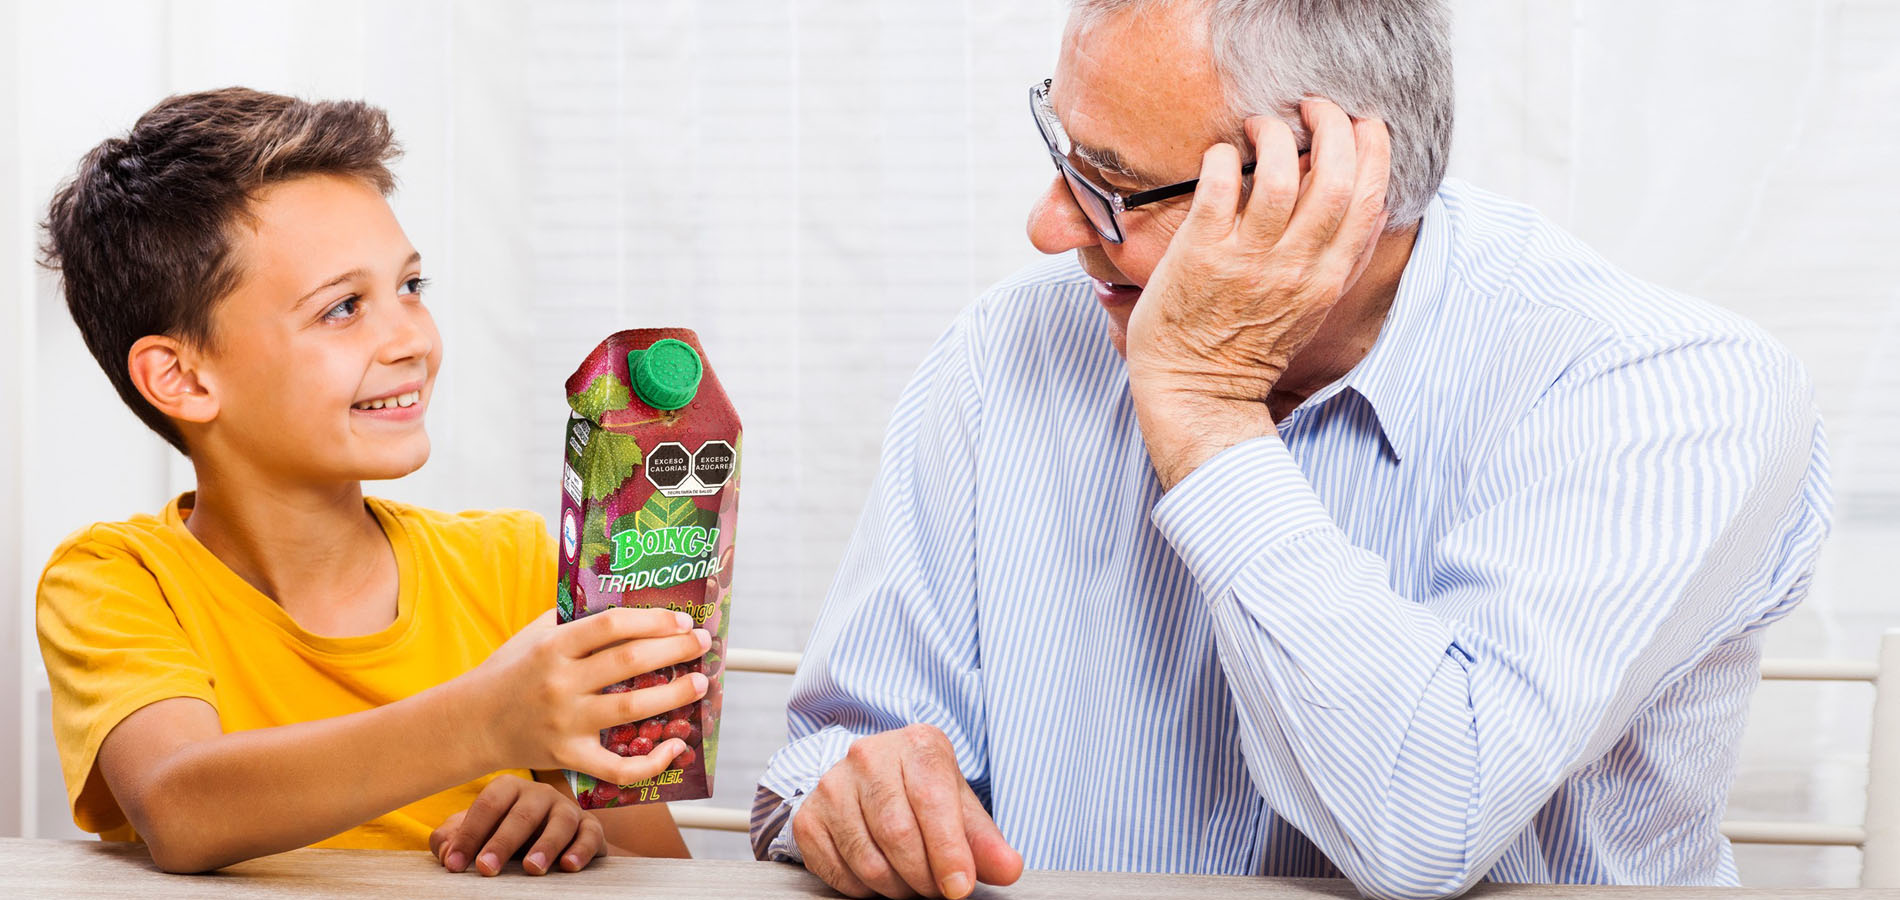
(668, 465)
(712, 464)
(678, 473)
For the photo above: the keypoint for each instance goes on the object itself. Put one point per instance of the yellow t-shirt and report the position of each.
(135, 612)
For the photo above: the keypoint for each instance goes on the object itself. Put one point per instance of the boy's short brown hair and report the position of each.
(142, 233)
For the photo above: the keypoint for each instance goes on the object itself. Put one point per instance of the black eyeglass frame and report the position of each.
(1114, 202)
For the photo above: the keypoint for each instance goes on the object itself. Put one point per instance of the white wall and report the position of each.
(15, 279)
(818, 185)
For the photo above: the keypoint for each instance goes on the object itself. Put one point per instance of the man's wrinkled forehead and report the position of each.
(1137, 92)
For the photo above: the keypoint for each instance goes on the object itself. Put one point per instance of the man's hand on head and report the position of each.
(895, 818)
(1243, 287)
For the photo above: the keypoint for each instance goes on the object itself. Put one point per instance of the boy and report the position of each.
(275, 660)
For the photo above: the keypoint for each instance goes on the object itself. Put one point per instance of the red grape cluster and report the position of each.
(639, 738)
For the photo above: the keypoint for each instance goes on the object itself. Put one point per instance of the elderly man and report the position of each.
(1327, 520)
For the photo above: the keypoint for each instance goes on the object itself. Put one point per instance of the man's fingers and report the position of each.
(996, 861)
(1328, 195)
(640, 656)
(620, 623)
(607, 710)
(561, 829)
(1360, 228)
(893, 827)
(933, 786)
(932, 783)
(821, 855)
(527, 816)
(588, 843)
(1217, 196)
(854, 845)
(1276, 179)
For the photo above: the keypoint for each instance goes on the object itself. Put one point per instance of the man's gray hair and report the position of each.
(1385, 58)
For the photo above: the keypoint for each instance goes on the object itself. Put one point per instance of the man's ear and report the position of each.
(167, 374)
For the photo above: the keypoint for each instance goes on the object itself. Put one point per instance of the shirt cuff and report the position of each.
(1247, 498)
(784, 845)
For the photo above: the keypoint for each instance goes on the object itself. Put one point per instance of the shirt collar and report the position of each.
(1390, 376)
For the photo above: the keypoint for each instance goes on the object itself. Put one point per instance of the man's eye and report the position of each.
(344, 309)
(415, 285)
(1116, 182)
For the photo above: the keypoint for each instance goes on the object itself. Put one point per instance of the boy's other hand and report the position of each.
(538, 703)
(510, 810)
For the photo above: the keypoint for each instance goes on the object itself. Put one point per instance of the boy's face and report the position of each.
(326, 322)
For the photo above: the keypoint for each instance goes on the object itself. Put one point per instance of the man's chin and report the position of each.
(1118, 335)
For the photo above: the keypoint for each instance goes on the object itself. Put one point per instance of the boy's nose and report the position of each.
(1056, 224)
(410, 334)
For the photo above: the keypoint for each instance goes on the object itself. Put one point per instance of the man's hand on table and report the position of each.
(1244, 287)
(510, 811)
(896, 818)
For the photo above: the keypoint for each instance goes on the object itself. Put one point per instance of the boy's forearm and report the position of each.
(224, 800)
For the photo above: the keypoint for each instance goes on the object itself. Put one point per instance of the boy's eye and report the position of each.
(415, 285)
(344, 309)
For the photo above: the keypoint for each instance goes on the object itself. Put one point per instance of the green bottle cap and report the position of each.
(665, 375)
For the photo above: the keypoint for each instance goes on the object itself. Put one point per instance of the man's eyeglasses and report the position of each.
(1102, 206)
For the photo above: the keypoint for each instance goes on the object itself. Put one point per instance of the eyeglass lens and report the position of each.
(1090, 200)
(1093, 204)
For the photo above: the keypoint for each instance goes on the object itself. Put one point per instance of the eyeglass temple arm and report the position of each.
(1173, 190)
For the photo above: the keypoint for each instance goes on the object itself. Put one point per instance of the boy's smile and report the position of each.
(324, 355)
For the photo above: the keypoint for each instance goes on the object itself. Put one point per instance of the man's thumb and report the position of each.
(996, 861)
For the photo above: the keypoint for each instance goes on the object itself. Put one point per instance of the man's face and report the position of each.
(326, 323)
(1140, 100)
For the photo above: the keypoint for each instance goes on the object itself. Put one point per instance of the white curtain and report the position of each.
(817, 186)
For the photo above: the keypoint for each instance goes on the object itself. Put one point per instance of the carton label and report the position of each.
(571, 481)
(676, 473)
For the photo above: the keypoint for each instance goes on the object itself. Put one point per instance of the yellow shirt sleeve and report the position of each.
(112, 645)
(537, 596)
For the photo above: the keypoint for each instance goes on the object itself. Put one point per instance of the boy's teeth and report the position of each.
(409, 399)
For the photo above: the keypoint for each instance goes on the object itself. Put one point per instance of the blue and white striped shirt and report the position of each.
(1489, 605)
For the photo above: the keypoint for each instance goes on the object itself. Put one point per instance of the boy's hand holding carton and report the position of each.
(538, 702)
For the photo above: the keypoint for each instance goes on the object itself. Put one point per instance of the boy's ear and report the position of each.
(166, 372)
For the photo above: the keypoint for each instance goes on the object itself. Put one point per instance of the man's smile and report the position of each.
(1113, 295)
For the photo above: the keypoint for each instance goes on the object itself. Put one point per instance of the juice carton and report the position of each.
(649, 498)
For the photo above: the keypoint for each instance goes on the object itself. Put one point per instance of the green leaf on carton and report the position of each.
(662, 511)
(594, 529)
(594, 543)
(609, 461)
(606, 392)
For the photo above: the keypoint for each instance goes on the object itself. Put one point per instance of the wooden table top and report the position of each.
(45, 868)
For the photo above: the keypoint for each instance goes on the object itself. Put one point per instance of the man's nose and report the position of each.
(1056, 224)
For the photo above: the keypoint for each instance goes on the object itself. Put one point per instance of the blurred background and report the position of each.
(818, 186)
